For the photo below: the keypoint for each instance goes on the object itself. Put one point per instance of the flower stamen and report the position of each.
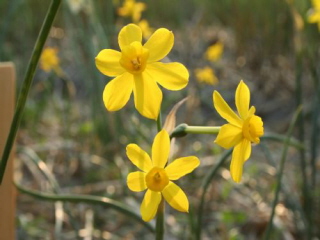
(136, 63)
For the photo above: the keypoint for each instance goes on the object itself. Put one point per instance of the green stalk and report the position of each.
(42, 37)
(315, 128)
(43, 168)
(303, 163)
(104, 201)
(183, 129)
(281, 138)
(204, 187)
(280, 173)
(160, 221)
(160, 212)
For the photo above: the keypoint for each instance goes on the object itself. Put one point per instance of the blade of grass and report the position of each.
(42, 166)
(281, 138)
(204, 188)
(280, 172)
(293, 200)
(42, 37)
(104, 201)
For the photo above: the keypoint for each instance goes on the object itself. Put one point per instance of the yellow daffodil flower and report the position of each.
(146, 29)
(133, 9)
(156, 177)
(206, 75)
(49, 60)
(136, 68)
(214, 52)
(314, 15)
(241, 130)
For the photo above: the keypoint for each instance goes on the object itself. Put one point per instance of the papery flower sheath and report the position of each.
(137, 68)
(155, 176)
(242, 129)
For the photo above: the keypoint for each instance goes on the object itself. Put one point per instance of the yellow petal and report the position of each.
(160, 44)
(129, 34)
(117, 92)
(147, 96)
(252, 111)
(176, 197)
(181, 166)
(139, 157)
(149, 205)
(237, 161)
(136, 181)
(314, 17)
(248, 152)
(224, 110)
(172, 76)
(229, 136)
(161, 149)
(242, 99)
(316, 4)
(107, 61)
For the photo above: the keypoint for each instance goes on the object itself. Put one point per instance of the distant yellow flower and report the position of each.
(242, 129)
(206, 75)
(49, 60)
(132, 9)
(314, 16)
(214, 52)
(155, 176)
(146, 29)
(137, 69)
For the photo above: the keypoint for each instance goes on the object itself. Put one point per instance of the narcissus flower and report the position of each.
(242, 129)
(214, 52)
(156, 177)
(314, 13)
(206, 75)
(49, 60)
(137, 69)
(132, 9)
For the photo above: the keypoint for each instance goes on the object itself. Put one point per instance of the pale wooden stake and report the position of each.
(7, 189)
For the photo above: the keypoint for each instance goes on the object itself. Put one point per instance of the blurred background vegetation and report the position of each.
(267, 43)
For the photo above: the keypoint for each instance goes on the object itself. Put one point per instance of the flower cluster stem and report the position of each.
(160, 221)
(42, 37)
(160, 212)
(183, 129)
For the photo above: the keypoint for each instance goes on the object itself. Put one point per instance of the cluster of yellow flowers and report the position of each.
(137, 68)
(49, 60)
(133, 9)
(207, 74)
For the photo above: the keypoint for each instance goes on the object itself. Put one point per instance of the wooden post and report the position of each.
(7, 189)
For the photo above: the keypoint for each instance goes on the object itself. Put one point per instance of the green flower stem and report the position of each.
(160, 221)
(42, 37)
(204, 187)
(183, 129)
(280, 172)
(104, 201)
(301, 136)
(160, 212)
(159, 123)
